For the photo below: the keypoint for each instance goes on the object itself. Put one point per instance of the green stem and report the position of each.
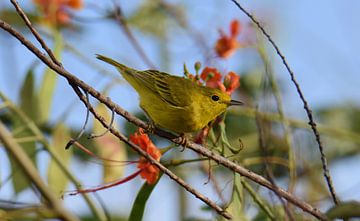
(285, 123)
(180, 162)
(326, 130)
(27, 139)
(48, 85)
(258, 200)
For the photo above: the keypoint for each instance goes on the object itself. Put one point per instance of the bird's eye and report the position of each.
(215, 98)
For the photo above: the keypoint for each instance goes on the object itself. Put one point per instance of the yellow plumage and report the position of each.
(174, 103)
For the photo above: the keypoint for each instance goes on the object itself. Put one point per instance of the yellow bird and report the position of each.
(174, 103)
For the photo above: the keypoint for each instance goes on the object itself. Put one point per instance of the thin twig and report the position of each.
(35, 33)
(73, 140)
(122, 22)
(306, 106)
(178, 140)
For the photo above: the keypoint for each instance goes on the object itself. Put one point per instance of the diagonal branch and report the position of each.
(119, 16)
(302, 97)
(35, 33)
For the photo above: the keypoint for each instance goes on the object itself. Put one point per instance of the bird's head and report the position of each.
(214, 102)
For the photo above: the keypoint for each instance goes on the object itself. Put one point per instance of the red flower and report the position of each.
(55, 11)
(148, 172)
(231, 82)
(235, 28)
(227, 45)
(211, 76)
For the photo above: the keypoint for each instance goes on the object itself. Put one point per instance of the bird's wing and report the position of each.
(158, 82)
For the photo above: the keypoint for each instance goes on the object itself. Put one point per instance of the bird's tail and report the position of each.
(122, 68)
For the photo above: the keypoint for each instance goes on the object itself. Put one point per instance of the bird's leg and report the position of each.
(209, 172)
(184, 141)
(151, 125)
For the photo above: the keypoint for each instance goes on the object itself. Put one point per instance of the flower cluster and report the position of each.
(148, 172)
(212, 78)
(226, 45)
(56, 11)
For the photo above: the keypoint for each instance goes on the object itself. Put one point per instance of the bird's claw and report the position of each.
(184, 142)
(150, 128)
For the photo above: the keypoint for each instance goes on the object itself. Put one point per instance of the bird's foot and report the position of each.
(150, 128)
(184, 141)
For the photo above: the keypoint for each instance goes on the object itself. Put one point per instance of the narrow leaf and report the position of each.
(154, 18)
(142, 197)
(48, 84)
(57, 180)
(29, 105)
(28, 99)
(236, 205)
(12, 17)
(225, 141)
(345, 210)
(109, 147)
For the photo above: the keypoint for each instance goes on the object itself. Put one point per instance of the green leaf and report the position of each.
(109, 147)
(138, 208)
(13, 18)
(237, 198)
(345, 210)
(152, 17)
(29, 105)
(48, 84)
(28, 99)
(225, 141)
(57, 180)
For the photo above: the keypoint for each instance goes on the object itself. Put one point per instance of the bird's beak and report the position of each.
(234, 102)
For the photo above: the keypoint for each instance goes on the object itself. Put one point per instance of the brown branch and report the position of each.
(29, 170)
(35, 33)
(302, 97)
(178, 140)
